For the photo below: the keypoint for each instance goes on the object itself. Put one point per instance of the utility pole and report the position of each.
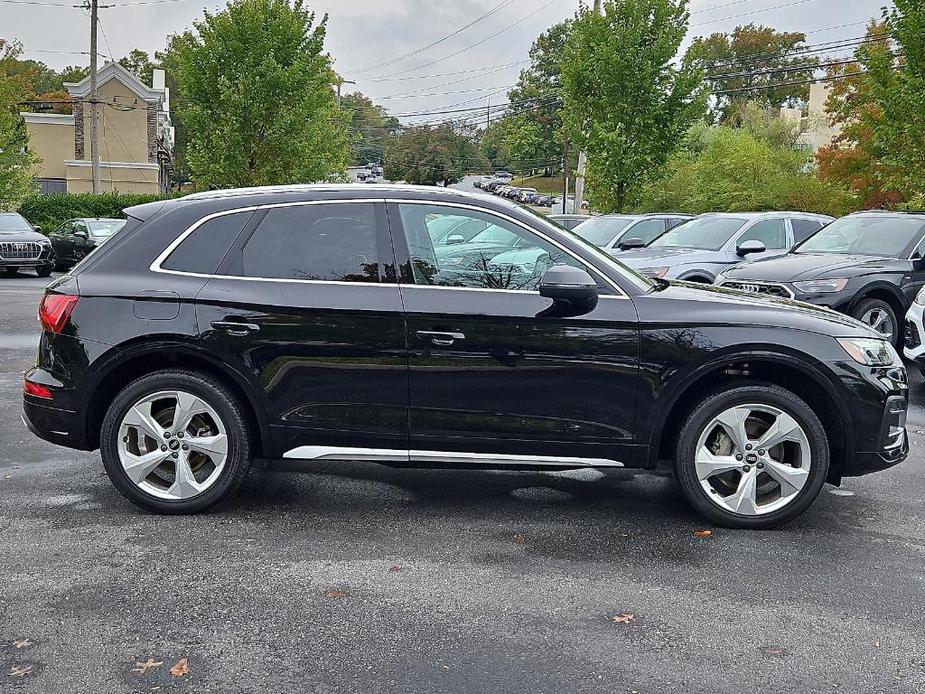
(582, 156)
(565, 175)
(488, 119)
(94, 105)
(340, 83)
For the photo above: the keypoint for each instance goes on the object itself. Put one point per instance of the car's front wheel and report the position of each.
(175, 442)
(754, 456)
(880, 316)
(43, 270)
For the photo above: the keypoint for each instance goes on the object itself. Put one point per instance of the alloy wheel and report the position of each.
(172, 444)
(879, 320)
(753, 459)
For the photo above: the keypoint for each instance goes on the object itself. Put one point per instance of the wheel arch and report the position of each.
(782, 370)
(135, 360)
(884, 292)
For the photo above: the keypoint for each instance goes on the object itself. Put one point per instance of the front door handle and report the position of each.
(440, 339)
(234, 327)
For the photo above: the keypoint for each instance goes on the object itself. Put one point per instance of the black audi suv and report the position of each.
(23, 247)
(869, 265)
(324, 322)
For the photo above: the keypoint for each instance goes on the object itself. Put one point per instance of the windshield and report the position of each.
(495, 234)
(885, 235)
(105, 227)
(12, 222)
(602, 230)
(702, 233)
(603, 259)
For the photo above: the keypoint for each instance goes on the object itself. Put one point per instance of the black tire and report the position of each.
(225, 404)
(10, 271)
(865, 305)
(761, 394)
(44, 271)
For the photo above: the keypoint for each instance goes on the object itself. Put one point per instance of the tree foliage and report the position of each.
(256, 96)
(140, 64)
(624, 101)
(15, 159)
(433, 154)
(757, 59)
(369, 126)
(736, 169)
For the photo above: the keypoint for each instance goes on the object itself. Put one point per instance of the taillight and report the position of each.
(54, 311)
(36, 389)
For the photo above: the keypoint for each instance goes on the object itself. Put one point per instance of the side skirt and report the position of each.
(461, 458)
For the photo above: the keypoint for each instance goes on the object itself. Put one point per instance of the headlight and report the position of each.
(920, 297)
(821, 286)
(653, 271)
(869, 351)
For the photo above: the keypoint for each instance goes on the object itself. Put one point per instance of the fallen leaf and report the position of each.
(520, 538)
(876, 644)
(393, 569)
(180, 668)
(150, 663)
(22, 643)
(774, 650)
(335, 594)
(624, 618)
(703, 533)
(20, 670)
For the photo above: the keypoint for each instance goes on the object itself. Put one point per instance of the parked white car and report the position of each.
(914, 342)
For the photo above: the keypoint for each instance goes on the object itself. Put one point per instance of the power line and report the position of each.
(442, 74)
(765, 87)
(752, 12)
(772, 71)
(418, 51)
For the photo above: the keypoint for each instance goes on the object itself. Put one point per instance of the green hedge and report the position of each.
(49, 211)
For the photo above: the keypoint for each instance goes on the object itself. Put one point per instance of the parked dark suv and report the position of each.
(22, 247)
(320, 322)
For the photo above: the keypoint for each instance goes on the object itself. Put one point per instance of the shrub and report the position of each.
(49, 211)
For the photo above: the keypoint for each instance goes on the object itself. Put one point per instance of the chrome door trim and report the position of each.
(395, 455)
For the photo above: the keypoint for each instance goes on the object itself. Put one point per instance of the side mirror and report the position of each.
(81, 234)
(751, 246)
(36, 227)
(632, 243)
(573, 291)
(455, 239)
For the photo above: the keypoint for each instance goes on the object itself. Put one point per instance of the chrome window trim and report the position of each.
(349, 453)
(159, 260)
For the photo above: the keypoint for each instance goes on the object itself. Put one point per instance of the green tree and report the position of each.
(753, 58)
(624, 101)
(15, 159)
(433, 154)
(369, 125)
(139, 63)
(256, 96)
(726, 169)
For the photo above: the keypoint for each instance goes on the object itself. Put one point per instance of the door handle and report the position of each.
(235, 327)
(440, 339)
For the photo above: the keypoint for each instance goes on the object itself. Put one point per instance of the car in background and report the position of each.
(914, 333)
(527, 195)
(482, 181)
(77, 238)
(22, 247)
(569, 221)
(869, 265)
(504, 175)
(701, 248)
(614, 232)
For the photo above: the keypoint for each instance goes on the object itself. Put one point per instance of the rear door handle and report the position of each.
(234, 327)
(440, 339)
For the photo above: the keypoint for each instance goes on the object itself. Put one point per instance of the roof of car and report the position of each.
(904, 213)
(759, 215)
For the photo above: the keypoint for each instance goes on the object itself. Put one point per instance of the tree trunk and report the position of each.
(621, 195)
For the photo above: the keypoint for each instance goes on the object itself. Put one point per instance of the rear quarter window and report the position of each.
(203, 250)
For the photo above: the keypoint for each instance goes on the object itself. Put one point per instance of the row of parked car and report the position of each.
(868, 265)
(500, 184)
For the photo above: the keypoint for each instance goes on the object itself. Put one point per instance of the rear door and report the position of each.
(493, 377)
(307, 306)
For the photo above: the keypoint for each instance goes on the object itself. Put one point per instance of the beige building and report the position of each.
(815, 130)
(135, 136)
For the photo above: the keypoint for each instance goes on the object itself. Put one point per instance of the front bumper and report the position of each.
(46, 257)
(914, 337)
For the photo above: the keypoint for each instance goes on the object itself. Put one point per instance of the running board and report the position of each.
(397, 455)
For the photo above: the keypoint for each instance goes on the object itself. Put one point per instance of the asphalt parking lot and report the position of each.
(356, 578)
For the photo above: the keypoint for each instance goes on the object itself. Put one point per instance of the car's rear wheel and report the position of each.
(43, 271)
(175, 442)
(880, 316)
(754, 456)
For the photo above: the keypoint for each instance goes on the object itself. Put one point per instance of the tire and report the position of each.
(708, 482)
(871, 307)
(44, 271)
(160, 490)
(10, 271)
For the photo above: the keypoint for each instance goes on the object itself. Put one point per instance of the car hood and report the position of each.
(737, 307)
(794, 267)
(21, 236)
(668, 257)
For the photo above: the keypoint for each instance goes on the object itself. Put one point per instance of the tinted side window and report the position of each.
(203, 250)
(500, 256)
(804, 228)
(646, 230)
(771, 232)
(333, 242)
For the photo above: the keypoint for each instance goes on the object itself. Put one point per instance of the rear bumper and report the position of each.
(53, 424)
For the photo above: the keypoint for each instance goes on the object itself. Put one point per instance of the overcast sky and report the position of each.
(365, 34)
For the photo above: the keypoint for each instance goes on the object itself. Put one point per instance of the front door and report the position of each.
(492, 377)
(306, 305)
